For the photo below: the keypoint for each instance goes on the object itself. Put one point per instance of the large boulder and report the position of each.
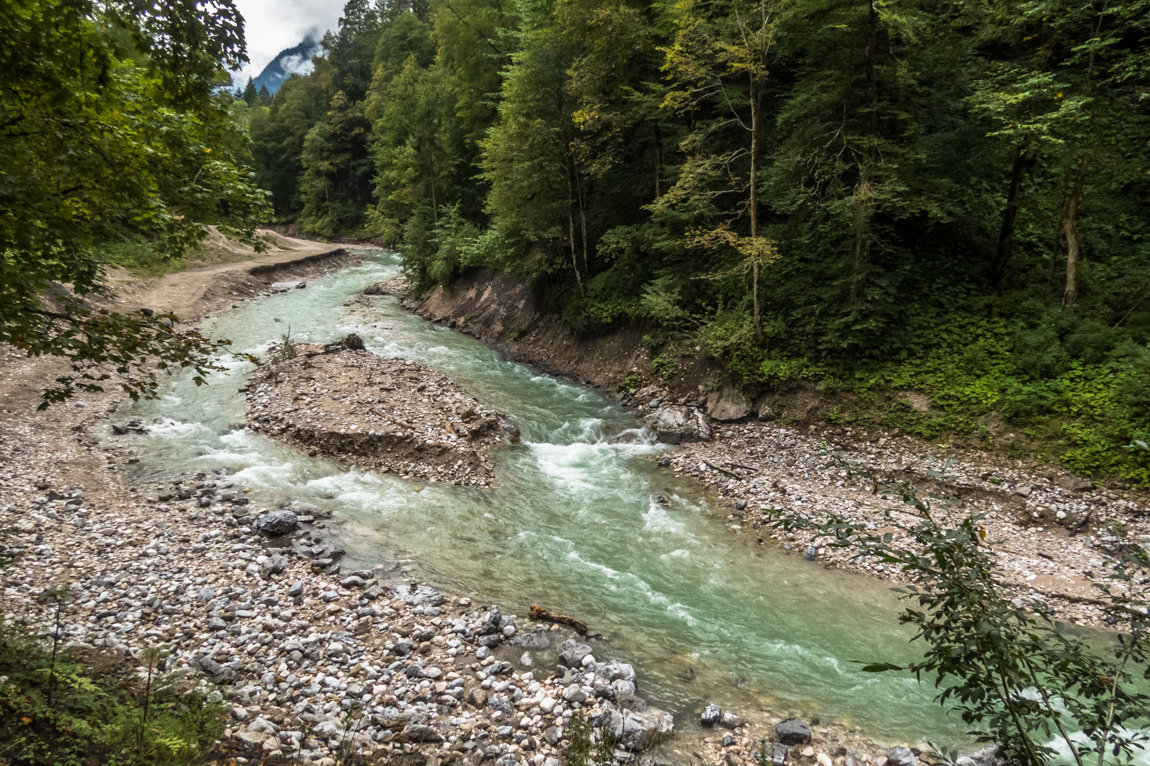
(277, 523)
(571, 653)
(711, 716)
(643, 730)
(901, 756)
(678, 424)
(793, 732)
(728, 404)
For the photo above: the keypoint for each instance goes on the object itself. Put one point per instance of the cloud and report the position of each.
(273, 25)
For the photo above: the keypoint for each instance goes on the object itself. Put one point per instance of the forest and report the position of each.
(948, 197)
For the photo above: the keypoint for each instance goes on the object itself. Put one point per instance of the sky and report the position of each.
(272, 25)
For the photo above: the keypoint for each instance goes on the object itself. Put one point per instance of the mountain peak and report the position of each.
(294, 60)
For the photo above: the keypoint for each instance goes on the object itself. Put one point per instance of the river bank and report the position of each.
(1052, 531)
(255, 605)
(185, 563)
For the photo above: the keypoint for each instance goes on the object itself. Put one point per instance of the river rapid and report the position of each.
(581, 520)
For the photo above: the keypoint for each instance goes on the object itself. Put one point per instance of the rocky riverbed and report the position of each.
(386, 415)
(314, 662)
(1050, 530)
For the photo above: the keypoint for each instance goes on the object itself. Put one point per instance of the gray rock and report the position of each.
(773, 753)
(728, 740)
(901, 756)
(421, 733)
(1074, 483)
(985, 756)
(272, 565)
(419, 595)
(264, 726)
(296, 589)
(571, 653)
(793, 732)
(811, 553)
(643, 730)
(711, 715)
(253, 738)
(731, 721)
(277, 523)
(728, 404)
(493, 622)
(676, 424)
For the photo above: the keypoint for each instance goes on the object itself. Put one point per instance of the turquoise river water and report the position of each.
(571, 524)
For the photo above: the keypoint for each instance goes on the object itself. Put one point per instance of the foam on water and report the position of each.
(658, 519)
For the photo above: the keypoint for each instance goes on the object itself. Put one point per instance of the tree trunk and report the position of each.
(754, 207)
(571, 230)
(658, 164)
(582, 221)
(1070, 231)
(1010, 212)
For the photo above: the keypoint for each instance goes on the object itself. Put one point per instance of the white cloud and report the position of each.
(273, 25)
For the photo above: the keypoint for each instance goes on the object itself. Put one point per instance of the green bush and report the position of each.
(1018, 678)
(64, 707)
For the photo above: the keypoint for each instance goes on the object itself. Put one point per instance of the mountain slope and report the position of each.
(295, 60)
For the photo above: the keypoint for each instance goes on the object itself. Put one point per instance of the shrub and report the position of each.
(1014, 675)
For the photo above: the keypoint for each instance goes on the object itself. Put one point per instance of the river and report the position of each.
(573, 524)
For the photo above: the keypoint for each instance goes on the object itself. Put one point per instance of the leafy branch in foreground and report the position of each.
(1016, 676)
(101, 346)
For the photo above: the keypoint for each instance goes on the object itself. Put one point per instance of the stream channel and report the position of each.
(572, 524)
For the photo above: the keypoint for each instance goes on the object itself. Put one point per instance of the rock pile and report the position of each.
(382, 414)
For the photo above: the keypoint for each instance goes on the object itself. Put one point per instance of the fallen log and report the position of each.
(539, 613)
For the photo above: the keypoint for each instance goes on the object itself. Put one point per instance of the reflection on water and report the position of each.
(572, 524)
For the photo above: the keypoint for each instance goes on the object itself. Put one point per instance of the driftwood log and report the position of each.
(539, 613)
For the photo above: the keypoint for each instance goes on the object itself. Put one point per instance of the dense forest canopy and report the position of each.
(876, 195)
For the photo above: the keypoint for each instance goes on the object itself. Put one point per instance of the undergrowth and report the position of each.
(1077, 393)
(66, 707)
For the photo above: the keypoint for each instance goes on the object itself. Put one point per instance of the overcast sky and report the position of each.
(273, 25)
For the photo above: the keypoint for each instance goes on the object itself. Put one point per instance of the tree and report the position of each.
(94, 145)
(718, 65)
(536, 180)
(278, 134)
(249, 95)
(336, 181)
